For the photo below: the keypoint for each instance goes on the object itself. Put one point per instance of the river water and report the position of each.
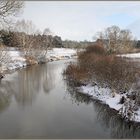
(36, 102)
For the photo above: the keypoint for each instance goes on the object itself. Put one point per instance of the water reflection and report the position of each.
(107, 117)
(78, 97)
(118, 127)
(42, 90)
(4, 96)
(27, 85)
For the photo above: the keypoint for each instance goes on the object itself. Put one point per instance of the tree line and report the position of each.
(24, 40)
(76, 44)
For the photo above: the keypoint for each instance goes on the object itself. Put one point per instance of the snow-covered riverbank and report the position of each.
(127, 110)
(15, 59)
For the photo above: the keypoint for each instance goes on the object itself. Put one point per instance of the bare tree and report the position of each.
(26, 30)
(127, 38)
(33, 43)
(116, 40)
(9, 8)
(47, 32)
(38, 32)
(25, 26)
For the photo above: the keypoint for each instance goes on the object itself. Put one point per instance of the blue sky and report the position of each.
(80, 20)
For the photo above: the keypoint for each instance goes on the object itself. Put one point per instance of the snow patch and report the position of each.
(113, 100)
(15, 59)
(131, 55)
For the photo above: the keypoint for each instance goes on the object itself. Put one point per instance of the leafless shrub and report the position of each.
(96, 49)
(78, 74)
(107, 70)
(116, 40)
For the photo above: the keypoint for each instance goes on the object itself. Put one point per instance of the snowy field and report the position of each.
(15, 59)
(131, 55)
(60, 53)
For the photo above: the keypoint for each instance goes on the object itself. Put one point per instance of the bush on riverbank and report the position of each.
(76, 73)
(95, 65)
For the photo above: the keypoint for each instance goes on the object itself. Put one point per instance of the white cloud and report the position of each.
(77, 20)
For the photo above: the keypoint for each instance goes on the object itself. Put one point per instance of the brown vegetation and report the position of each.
(78, 75)
(95, 65)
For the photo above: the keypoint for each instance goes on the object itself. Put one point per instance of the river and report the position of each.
(36, 102)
